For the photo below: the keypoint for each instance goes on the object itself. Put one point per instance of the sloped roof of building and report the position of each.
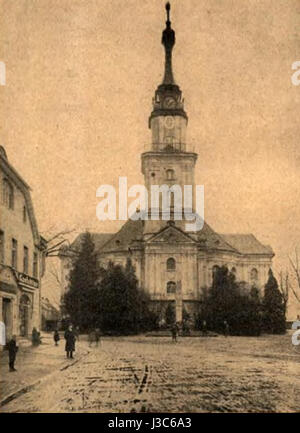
(213, 240)
(133, 231)
(14, 176)
(99, 240)
(247, 244)
(129, 232)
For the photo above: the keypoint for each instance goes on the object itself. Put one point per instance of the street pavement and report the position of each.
(153, 374)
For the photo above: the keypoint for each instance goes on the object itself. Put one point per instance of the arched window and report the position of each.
(233, 270)
(171, 264)
(7, 194)
(254, 274)
(171, 287)
(170, 174)
(215, 269)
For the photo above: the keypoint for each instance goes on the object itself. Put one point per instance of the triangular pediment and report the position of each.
(171, 234)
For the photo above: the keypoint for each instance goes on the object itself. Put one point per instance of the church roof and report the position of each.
(247, 244)
(99, 240)
(213, 240)
(129, 232)
(133, 231)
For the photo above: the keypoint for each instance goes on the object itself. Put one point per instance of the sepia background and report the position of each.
(80, 79)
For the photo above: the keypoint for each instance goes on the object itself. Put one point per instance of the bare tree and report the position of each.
(295, 286)
(56, 241)
(284, 287)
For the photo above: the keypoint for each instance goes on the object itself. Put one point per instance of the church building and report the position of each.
(174, 265)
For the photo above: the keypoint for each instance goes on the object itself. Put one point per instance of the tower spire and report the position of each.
(168, 40)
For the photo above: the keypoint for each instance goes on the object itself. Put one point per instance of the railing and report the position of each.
(168, 147)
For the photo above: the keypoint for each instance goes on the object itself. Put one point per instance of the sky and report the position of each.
(80, 77)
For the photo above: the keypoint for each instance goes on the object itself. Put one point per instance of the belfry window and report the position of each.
(171, 264)
(170, 174)
(171, 287)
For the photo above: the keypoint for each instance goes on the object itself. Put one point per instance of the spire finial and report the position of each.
(168, 40)
(168, 7)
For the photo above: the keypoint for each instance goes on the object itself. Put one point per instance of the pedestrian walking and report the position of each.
(98, 336)
(204, 327)
(226, 328)
(174, 331)
(77, 332)
(35, 337)
(56, 337)
(70, 341)
(94, 337)
(12, 352)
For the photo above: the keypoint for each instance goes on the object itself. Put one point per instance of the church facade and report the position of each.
(174, 265)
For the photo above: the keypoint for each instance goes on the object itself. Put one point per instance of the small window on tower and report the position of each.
(170, 174)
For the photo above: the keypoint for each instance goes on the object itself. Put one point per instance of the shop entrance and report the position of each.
(24, 315)
(7, 316)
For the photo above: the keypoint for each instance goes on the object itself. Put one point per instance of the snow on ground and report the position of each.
(152, 374)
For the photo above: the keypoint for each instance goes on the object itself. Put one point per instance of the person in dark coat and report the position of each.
(12, 352)
(56, 337)
(98, 336)
(204, 327)
(174, 331)
(35, 337)
(226, 328)
(70, 341)
(77, 332)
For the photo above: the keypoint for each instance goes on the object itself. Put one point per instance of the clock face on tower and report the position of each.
(169, 102)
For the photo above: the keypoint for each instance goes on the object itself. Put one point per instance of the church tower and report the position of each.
(168, 160)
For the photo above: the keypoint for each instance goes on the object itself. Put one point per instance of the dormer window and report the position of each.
(7, 194)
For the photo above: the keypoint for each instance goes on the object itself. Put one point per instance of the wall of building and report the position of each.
(13, 285)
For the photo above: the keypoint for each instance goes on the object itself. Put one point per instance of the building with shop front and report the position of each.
(22, 258)
(50, 316)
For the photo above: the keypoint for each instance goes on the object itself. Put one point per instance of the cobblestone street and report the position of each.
(152, 374)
